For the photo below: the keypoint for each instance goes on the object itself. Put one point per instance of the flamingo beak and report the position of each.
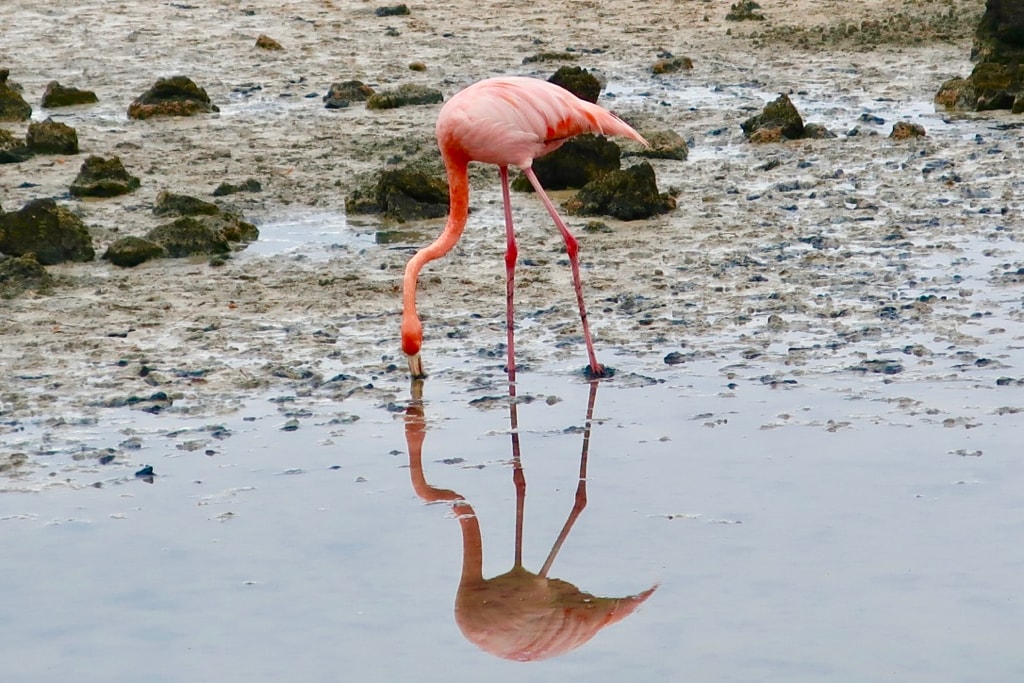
(416, 367)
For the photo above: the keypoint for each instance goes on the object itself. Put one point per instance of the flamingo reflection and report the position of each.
(518, 615)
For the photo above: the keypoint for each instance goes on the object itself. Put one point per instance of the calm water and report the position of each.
(815, 533)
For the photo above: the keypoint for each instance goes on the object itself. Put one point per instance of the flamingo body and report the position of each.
(507, 121)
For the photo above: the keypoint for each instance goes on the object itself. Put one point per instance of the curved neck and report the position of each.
(472, 544)
(458, 213)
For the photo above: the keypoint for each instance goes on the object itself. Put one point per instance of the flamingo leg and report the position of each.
(511, 255)
(572, 249)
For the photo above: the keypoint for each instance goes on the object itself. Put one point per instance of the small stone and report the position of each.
(265, 42)
(57, 95)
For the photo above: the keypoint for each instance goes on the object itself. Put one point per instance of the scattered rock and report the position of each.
(403, 95)
(578, 81)
(230, 226)
(779, 119)
(550, 57)
(816, 131)
(627, 194)
(175, 96)
(100, 177)
(51, 137)
(417, 66)
(392, 11)
(188, 236)
(745, 10)
(341, 94)
(671, 65)
(56, 95)
(51, 232)
(402, 194)
(12, 149)
(249, 185)
(579, 161)
(997, 80)
(168, 203)
(23, 274)
(265, 42)
(902, 130)
(13, 106)
(665, 144)
(129, 252)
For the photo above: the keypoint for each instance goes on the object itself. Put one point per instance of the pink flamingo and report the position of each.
(506, 122)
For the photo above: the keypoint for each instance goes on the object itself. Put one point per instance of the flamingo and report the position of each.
(506, 121)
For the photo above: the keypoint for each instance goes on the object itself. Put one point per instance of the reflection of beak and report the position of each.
(416, 367)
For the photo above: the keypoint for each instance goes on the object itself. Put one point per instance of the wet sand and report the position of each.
(782, 261)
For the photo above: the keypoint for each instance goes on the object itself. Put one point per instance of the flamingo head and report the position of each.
(412, 340)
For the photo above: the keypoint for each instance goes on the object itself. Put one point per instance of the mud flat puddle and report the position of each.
(842, 529)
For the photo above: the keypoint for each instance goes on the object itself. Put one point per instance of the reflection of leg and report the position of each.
(511, 254)
(572, 249)
(580, 501)
(518, 476)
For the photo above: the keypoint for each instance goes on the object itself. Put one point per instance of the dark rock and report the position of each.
(902, 130)
(997, 80)
(101, 177)
(129, 252)
(403, 95)
(671, 65)
(168, 203)
(51, 137)
(578, 81)
(341, 94)
(13, 106)
(56, 95)
(745, 10)
(230, 226)
(665, 144)
(23, 274)
(250, 185)
(779, 116)
(1000, 33)
(175, 96)
(579, 161)
(816, 131)
(265, 42)
(628, 194)
(957, 94)
(12, 149)
(392, 11)
(402, 194)
(550, 57)
(188, 236)
(51, 232)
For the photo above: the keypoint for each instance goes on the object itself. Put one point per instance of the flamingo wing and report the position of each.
(511, 121)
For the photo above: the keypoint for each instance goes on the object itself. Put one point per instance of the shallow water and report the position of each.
(833, 530)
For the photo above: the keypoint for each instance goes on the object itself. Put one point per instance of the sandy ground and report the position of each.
(843, 240)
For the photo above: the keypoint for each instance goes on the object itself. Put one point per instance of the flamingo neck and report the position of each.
(472, 545)
(458, 213)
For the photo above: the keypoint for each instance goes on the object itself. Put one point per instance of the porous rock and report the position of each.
(403, 95)
(12, 150)
(188, 236)
(102, 177)
(175, 96)
(578, 81)
(128, 252)
(51, 137)
(402, 194)
(781, 115)
(627, 194)
(577, 162)
(340, 94)
(13, 106)
(49, 231)
(57, 95)
(21, 274)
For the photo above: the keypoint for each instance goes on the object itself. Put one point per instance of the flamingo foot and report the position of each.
(416, 367)
(602, 372)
